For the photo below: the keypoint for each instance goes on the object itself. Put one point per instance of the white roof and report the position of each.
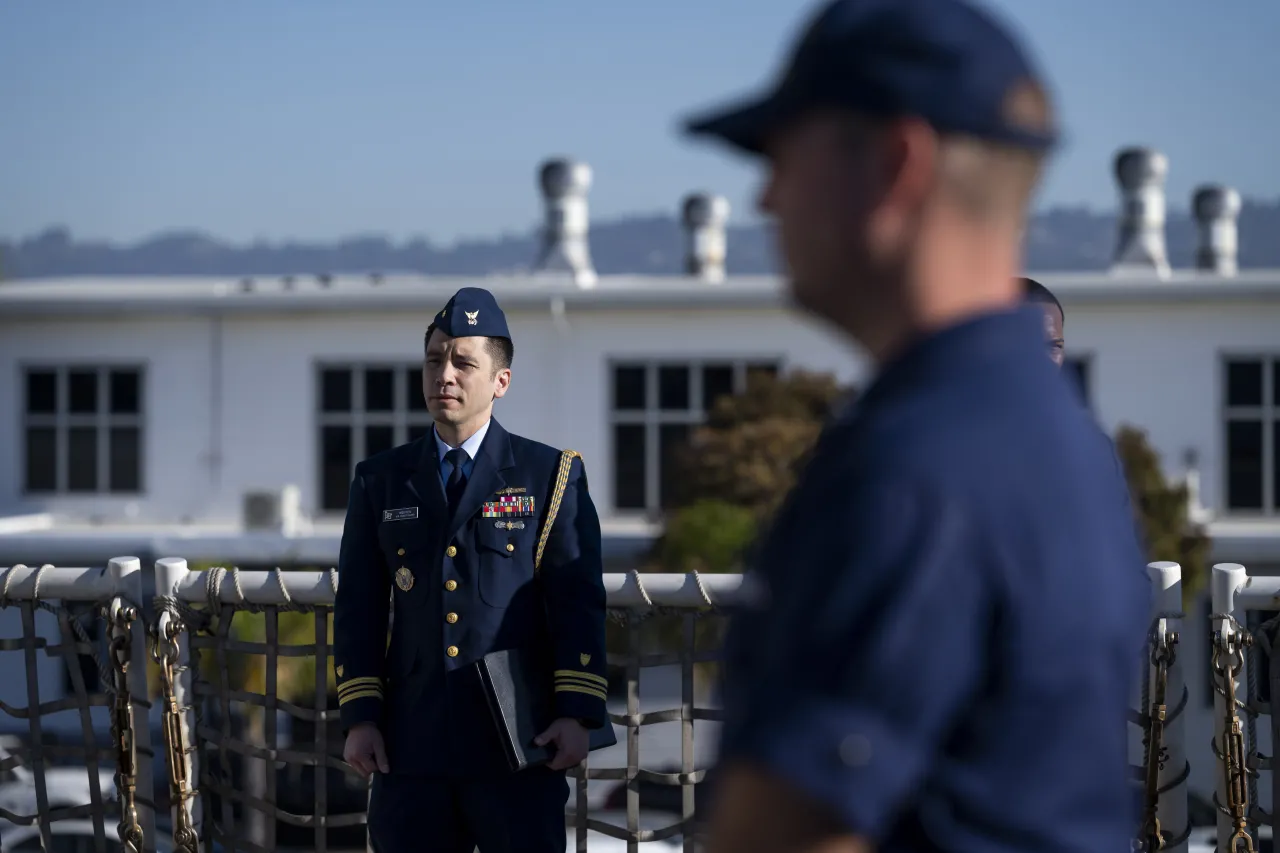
(118, 295)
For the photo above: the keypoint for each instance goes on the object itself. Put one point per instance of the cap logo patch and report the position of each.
(1026, 106)
(471, 316)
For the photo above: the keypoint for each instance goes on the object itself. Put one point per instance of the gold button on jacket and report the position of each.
(451, 618)
(451, 551)
(452, 651)
(451, 585)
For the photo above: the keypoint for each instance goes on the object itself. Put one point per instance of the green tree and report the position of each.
(708, 536)
(735, 472)
(754, 444)
(1161, 509)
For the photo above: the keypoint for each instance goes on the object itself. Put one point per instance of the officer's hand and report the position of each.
(364, 750)
(571, 740)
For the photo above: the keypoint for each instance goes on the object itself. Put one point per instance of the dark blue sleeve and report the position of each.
(1126, 500)
(360, 611)
(572, 574)
(869, 656)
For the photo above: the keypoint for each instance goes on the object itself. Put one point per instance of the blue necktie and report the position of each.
(457, 479)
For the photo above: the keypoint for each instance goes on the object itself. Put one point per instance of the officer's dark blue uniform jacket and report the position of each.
(473, 591)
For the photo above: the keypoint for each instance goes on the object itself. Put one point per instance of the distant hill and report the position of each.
(1059, 239)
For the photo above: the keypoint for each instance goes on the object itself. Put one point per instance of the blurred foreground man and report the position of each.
(937, 641)
(444, 533)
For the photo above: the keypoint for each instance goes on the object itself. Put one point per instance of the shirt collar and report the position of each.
(471, 445)
(1013, 336)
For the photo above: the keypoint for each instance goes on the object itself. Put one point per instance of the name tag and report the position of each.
(406, 514)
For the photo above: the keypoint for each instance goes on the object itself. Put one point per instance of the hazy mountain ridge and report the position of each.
(1059, 239)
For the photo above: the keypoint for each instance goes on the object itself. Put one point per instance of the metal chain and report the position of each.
(122, 732)
(1228, 659)
(1163, 654)
(164, 651)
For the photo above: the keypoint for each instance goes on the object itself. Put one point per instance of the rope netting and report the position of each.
(76, 760)
(268, 739)
(253, 739)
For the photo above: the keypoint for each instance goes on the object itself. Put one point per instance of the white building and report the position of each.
(220, 419)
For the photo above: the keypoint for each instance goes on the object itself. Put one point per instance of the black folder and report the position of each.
(518, 689)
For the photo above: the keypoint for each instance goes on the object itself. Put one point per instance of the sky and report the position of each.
(319, 119)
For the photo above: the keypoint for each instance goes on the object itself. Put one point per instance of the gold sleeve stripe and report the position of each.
(584, 676)
(366, 693)
(580, 682)
(578, 688)
(358, 683)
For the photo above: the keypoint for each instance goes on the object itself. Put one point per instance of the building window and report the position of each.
(83, 429)
(655, 406)
(1251, 433)
(364, 409)
(1078, 370)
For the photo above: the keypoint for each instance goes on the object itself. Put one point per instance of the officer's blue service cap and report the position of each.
(472, 312)
(942, 61)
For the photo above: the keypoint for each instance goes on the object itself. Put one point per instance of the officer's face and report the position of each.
(1053, 335)
(459, 380)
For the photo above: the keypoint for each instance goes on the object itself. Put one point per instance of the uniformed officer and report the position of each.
(945, 621)
(442, 534)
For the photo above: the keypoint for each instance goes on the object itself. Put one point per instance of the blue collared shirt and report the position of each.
(946, 616)
(471, 446)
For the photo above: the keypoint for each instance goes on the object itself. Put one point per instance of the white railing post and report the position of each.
(1171, 808)
(1225, 582)
(126, 573)
(170, 574)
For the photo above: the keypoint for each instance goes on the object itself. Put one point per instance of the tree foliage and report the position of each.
(709, 536)
(739, 466)
(1161, 510)
(754, 444)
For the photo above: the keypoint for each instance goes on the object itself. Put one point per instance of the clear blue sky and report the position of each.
(314, 119)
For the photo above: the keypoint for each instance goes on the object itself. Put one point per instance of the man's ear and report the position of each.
(501, 382)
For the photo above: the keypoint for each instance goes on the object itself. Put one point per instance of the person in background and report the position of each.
(1055, 321)
(936, 644)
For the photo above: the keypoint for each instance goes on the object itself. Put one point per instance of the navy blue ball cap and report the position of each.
(472, 312)
(943, 61)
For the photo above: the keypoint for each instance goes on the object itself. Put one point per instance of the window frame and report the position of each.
(652, 417)
(102, 421)
(400, 418)
(1268, 414)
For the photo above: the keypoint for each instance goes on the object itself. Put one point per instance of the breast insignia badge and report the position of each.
(404, 579)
